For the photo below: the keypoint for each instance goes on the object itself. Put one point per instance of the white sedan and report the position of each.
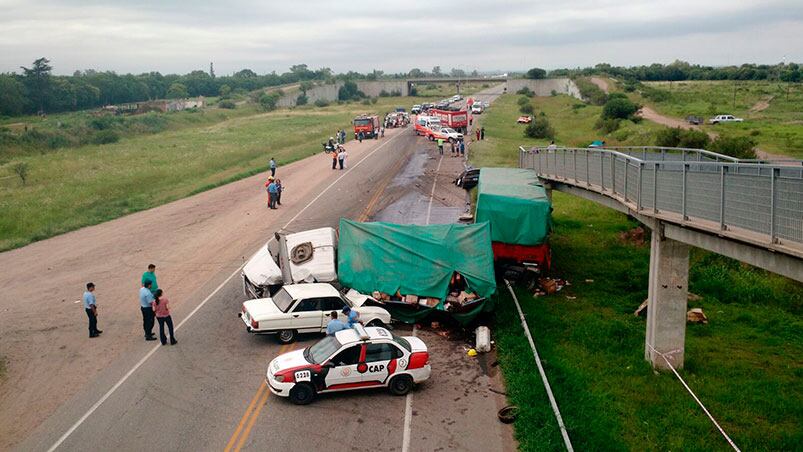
(305, 308)
(351, 359)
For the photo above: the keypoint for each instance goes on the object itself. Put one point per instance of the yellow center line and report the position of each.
(263, 388)
(262, 401)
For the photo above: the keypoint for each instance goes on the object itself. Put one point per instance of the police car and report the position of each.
(360, 357)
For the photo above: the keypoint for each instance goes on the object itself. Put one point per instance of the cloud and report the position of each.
(179, 36)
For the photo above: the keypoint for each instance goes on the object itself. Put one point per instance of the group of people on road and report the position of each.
(341, 136)
(274, 188)
(339, 157)
(480, 133)
(153, 305)
(336, 324)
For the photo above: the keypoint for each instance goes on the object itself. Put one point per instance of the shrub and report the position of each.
(56, 141)
(656, 94)
(527, 109)
(523, 101)
(739, 147)
(607, 125)
(395, 93)
(374, 100)
(540, 128)
(618, 108)
(103, 122)
(227, 104)
(668, 137)
(302, 99)
(525, 91)
(21, 170)
(349, 91)
(684, 138)
(321, 103)
(384, 93)
(553, 93)
(267, 101)
(106, 137)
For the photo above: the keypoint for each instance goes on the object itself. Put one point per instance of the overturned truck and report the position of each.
(418, 272)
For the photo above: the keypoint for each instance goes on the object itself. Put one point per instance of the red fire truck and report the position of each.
(368, 125)
(457, 120)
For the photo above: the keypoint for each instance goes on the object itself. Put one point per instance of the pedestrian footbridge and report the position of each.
(750, 210)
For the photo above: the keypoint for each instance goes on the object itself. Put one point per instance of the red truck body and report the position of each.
(368, 125)
(457, 120)
(523, 254)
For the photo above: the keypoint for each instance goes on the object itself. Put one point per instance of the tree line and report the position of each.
(36, 90)
(681, 70)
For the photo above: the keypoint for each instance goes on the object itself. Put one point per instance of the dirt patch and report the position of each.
(652, 115)
(601, 83)
(761, 105)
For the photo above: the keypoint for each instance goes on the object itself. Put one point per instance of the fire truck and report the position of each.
(457, 120)
(368, 125)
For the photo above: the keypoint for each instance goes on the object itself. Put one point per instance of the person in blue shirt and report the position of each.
(352, 316)
(91, 308)
(273, 194)
(145, 299)
(335, 325)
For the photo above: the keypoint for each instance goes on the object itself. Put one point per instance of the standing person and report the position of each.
(267, 189)
(382, 132)
(335, 325)
(150, 275)
(360, 136)
(482, 133)
(91, 308)
(279, 191)
(335, 152)
(477, 132)
(145, 300)
(342, 137)
(341, 157)
(273, 194)
(451, 143)
(352, 316)
(161, 307)
(462, 147)
(272, 167)
(440, 145)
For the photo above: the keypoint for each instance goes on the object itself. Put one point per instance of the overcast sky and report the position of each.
(394, 36)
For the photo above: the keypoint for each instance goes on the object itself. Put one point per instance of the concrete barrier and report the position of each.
(327, 92)
(544, 87)
(374, 88)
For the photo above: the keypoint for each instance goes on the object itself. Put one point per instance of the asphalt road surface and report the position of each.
(208, 392)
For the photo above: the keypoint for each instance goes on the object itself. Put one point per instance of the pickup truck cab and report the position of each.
(305, 308)
(476, 109)
(444, 133)
(724, 118)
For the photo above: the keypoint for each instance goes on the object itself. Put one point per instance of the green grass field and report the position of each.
(572, 120)
(69, 188)
(777, 129)
(745, 365)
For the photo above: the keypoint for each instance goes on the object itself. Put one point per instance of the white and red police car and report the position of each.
(360, 357)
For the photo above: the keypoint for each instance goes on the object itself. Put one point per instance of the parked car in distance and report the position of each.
(468, 179)
(724, 118)
(476, 109)
(696, 120)
(416, 109)
(305, 308)
(351, 359)
(524, 119)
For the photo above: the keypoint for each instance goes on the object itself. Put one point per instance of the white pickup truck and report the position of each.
(724, 118)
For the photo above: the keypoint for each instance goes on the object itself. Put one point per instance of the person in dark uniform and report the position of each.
(145, 300)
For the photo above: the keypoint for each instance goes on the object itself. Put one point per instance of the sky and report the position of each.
(183, 35)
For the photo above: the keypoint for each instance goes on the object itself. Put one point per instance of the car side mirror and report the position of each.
(329, 364)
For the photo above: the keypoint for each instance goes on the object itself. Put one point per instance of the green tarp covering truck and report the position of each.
(415, 271)
(516, 205)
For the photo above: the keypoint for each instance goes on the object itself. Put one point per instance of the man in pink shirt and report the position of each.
(161, 307)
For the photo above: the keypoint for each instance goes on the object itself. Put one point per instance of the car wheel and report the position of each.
(286, 336)
(376, 322)
(401, 385)
(302, 394)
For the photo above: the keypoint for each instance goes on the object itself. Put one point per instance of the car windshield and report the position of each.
(320, 352)
(282, 300)
(402, 341)
(362, 122)
(448, 130)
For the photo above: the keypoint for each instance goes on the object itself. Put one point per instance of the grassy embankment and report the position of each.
(72, 187)
(745, 365)
(777, 129)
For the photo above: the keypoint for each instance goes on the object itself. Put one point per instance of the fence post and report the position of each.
(773, 239)
(601, 171)
(574, 162)
(588, 172)
(613, 173)
(655, 188)
(638, 191)
(683, 216)
(627, 170)
(722, 197)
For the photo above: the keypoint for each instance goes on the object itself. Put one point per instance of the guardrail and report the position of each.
(764, 200)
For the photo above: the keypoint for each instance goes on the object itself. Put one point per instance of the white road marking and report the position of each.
(408, 405)
(156, 347)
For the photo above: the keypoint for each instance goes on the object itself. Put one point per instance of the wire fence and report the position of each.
(762, 198)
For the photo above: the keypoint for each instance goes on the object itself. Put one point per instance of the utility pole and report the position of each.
(211, 69)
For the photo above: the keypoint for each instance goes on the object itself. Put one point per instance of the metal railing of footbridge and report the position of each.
(760, 201)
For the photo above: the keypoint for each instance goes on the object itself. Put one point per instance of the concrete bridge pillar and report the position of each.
(668, 291)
